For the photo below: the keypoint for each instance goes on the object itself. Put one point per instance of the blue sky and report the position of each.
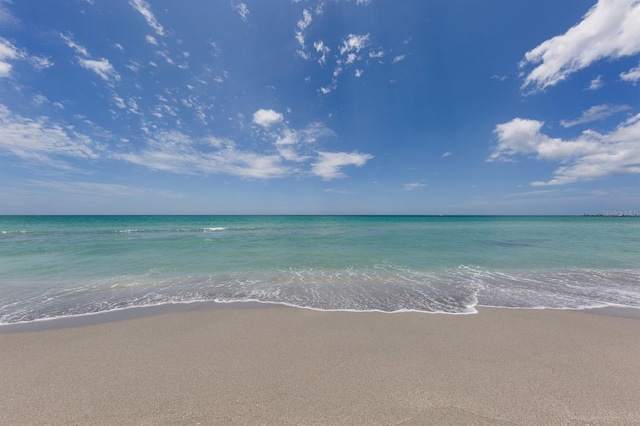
(319, 106)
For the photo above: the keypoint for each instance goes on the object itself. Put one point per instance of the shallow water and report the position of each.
(57, 266)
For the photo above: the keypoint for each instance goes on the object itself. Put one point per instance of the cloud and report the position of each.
(151, 39)
(447, 154)
(143, 8)
(321, 48)
(242, 10)
(596, 83)
(632, 76)
(328, 164)
(41, 140)
(80, 50)
(358, 73)
(305, 21)
(177, 153)
(595, 113)
(398, 59)
(589, 156)
(267, 117)
(101, 67)
(354, 43)
(8, 52)
(608, 30)
(412, 186)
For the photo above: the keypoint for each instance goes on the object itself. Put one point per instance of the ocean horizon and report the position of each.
(58, 266)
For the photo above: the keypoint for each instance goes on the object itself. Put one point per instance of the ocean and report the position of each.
(63, 266)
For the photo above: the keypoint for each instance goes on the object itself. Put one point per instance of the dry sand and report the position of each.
(279, 365)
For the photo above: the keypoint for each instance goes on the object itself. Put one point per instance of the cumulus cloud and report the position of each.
(145, 10)
(151, 39)
(329, 164)
(590, 156)
(609, 30)
(595, 113)
(632, 76)
(101, 67)
(398, 59)
(267, 117)
(40, 139)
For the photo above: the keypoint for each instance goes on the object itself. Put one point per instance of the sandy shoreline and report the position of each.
(294, 366)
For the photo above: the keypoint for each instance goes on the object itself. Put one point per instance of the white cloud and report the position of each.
(364, 2)
(305, 21)
(351, 58)
(609, 29)
(267, 117)
(632, 76)
(41, 140)
(80, 50)
(328, 164)
(177, 153)
(589, 156)
(143, 8)
(101, 67)
(358, 73)
(447, 154)
(242, 10)
(321, 48)
(40, 62)
(8, 52)
(353, 43)
(151, 39)
(595, 113)
(596, 83)
(398, 59)
(378, 54)
(412, 186)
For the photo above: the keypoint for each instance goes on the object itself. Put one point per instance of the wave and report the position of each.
(383, 288)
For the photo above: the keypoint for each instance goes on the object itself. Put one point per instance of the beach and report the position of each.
(278, 365)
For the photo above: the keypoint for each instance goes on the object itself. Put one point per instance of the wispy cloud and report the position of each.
(447, 154)
(329, 164)
(398, 59)
(145, 10)
(177, 153)
(589, 156)
(609, 30)
(242, 10)
(8, 52)
(354, 43)
(632, 76)
(595, 113)
(412, 186)
(80, 50)
(596, 83)
(102, 67)
(42, 140)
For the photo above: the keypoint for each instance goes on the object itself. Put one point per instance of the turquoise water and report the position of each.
(57, 266)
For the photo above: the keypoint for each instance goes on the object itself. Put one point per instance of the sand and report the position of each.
(277, 365)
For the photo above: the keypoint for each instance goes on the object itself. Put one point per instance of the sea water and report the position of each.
(60, 266)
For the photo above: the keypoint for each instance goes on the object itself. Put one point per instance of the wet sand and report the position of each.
(278, 365)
